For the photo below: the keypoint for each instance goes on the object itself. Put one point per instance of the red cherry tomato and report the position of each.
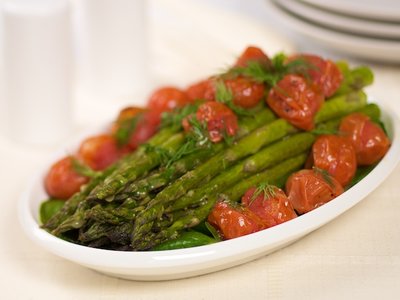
(252, 53)
(219, 120)
(146, 127)
(99, 152)
(273, 206)
(246, 93)
(167, 98)
(323, 73)
(337, 156)
(309, 189)
(232, 222)
(369, 140)
(202, 90)
(295, 101)
(62, 181)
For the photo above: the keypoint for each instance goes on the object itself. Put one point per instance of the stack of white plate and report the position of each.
(367, 29)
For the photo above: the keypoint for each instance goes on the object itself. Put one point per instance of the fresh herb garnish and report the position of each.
(162, 152)
(271, 75)
(125, 129)
(325, 175)
(223, 94)
(175, 117)
(83, 169)
(267, 190)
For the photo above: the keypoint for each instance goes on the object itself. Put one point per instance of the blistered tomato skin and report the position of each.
(232, 222)
(246, 93)
(273, 208)
(369, 140)
(202, 90)
(252, 53)
(99, 152)
(146, 127)
(294, 100)
(323, 73)
(219, 120)
(167, 98)
(309, 189)
(62, 181)
(337, 156)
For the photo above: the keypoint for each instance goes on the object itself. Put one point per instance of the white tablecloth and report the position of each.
(357, 256)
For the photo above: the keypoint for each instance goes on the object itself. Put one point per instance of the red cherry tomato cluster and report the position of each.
(298, 97)
(135, 125)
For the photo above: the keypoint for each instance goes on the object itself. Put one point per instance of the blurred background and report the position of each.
(114, 53)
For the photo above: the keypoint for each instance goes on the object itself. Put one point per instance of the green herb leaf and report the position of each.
(176, 117)
(325, 175)
(83, 169)
(164, 154)
(267, 190)
(126, 128)
(223, 94)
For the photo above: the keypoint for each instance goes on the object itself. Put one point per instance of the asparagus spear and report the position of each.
(71, 204)
(265, 158)
(250, 144)
(140, 189)
(194, 216)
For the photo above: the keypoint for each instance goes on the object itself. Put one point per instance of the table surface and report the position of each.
(356, 256)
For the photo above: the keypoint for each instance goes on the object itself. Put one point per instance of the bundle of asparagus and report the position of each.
(171, 183)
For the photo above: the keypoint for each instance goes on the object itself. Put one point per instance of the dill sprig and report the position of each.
(224, 94)
(267, 190)
(164, 154)
(325, 175)
(175, 117)
(125, 129)
(270, 75)
(83, 169)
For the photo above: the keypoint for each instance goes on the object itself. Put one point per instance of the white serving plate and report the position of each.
(357, 46)
(174, 264)
(343, 23)
(385, 10)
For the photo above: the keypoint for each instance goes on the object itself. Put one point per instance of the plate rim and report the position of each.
(182, 263)
(343, 23)
(383, 50)
(349, 8)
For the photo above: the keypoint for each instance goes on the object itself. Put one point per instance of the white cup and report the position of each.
(37, 70)
(112, 52)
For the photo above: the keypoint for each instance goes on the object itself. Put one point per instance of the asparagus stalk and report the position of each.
(140, 189)
(193, 217)
(250, 144)
(263, 159)
(71, 204)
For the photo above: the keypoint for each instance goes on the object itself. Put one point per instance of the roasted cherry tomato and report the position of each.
(99, 152)
(219, 120)
(336, 155)
(232, 222)
(129, 112)
(246, 93)
(294, 100)
(146, 127)
(252, 53)
(323, 73)
(309, 189)
(62, 181)
(202, 90)
(167, 98)
(271, 205)
(369, 140)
